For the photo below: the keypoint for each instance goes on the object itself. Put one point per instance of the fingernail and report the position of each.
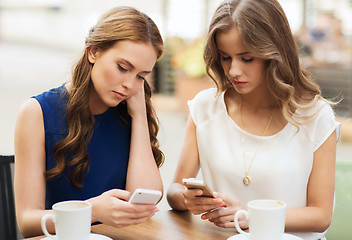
(202, 217)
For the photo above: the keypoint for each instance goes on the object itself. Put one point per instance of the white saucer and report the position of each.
(286, 236)
(92, 236)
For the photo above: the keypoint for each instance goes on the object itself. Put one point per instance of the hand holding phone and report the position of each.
(192, 183)
(145, 196)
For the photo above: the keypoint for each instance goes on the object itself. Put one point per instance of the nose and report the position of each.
(235, 69)
(128, 82)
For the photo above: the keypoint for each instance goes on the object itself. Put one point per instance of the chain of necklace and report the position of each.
(246, 179)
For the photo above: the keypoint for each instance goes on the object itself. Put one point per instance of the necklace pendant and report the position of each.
(246, 181)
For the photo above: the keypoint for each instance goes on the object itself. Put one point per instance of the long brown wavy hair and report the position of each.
(121, 23)
(266, 34)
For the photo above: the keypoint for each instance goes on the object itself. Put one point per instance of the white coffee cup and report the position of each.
(266, 219)
(72, 220)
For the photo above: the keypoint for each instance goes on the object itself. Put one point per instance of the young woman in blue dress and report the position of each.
(265, 132)
(94, 138)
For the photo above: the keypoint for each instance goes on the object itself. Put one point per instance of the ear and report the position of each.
(92, 53)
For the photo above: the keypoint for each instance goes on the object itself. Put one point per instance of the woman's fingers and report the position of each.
(121, 221)
(217, 213)
(197, 204)
(118, 193)
(112, 208)
(131, 221)
(198, 209)
(133, 214)
(224, 216)
(243, 224)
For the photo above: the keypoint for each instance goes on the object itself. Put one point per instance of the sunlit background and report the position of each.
(40, 41)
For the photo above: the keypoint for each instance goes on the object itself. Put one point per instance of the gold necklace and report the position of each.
(246, 179)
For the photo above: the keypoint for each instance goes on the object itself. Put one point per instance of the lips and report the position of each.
(119, 95)
(238, 83)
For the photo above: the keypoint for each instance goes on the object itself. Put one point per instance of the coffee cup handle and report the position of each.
(237, 214)
(43, 223)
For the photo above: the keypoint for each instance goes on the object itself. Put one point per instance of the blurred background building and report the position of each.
(40, 41)
(323, 29)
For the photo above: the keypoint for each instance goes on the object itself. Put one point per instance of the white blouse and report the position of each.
(282, 165)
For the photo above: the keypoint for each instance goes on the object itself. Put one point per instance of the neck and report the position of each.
(257, 101)
(96, 104)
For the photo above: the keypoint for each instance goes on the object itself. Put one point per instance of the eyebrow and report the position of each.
(132, 66)
(239, 54)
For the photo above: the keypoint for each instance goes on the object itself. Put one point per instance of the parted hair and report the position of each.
(266, 33)
(121, 23)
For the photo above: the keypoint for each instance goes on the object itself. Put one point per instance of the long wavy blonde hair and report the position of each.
(266, 34)
(122, 23)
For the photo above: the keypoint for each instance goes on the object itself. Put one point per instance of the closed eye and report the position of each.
(140, 77)
(248, 60)
(122, 69)
(225, 58)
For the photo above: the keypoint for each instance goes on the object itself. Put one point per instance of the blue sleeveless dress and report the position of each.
(108, 150)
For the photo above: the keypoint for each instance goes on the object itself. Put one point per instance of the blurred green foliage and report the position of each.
(187, 57)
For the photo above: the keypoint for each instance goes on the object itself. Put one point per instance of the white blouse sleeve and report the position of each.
(201, 106)
(324, 125)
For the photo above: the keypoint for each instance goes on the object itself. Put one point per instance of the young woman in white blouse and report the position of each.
(264, 132)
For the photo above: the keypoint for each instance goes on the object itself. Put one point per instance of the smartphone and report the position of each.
(145, 196)
(192, 183)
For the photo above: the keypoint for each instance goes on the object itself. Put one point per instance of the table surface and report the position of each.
(163, 225)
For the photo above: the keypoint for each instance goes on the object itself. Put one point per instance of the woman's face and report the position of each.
(119, 72)
(244, 71)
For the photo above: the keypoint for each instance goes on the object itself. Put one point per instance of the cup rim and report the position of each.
(282, 203)
(56, 205)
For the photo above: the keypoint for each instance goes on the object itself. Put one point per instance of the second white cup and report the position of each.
(266, 219)
(72, 220)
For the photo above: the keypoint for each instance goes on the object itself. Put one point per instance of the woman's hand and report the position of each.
(136, 103)
(112, 208)
(197, 204)
(224, 216)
